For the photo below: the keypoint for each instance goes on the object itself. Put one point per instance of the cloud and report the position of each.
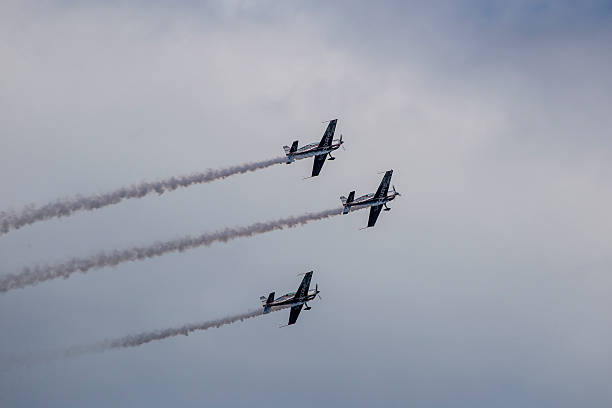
(484, 284)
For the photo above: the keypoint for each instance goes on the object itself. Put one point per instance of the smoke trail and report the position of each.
(10, 220)
(41, 273)
(136, 340)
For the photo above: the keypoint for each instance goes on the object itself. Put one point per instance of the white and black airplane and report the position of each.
(294, 299)
(320, 150)
(375, 201)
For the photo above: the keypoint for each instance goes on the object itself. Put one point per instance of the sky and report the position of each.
(488, 284)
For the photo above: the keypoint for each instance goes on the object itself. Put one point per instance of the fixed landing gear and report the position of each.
(307, 307)
(386, 208)
(331, 157)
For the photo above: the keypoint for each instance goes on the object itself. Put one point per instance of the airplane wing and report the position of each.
(304, 286)
(374, 212)
(318, 164)
(293, 315)
(384, 185)
(328, 136)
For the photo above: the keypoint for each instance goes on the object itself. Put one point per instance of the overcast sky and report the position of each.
(488, 284)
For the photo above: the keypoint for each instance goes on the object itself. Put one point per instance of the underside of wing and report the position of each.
(328, 136)
(384, 185)
(293, 315)
(374, 212)
(304, 286)
(318, 164)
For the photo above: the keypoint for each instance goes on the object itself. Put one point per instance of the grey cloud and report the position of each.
(465, 294)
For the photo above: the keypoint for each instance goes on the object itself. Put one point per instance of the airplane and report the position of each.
(320, 150)
(294, 299)
(375, 201)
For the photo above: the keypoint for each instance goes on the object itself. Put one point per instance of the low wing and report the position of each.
(304, 286)
(318, 164)
(328, 136)
(293, 315)
(384, 185)
(374, 212)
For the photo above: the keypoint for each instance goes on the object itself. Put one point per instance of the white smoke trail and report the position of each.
(40, 273)
(11, 220)
(136, 340)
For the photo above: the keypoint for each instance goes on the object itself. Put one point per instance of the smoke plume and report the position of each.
(133, 340)
(33, 275)
(136, 340)
(11, 220)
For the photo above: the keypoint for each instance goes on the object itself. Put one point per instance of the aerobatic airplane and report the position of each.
(294, 299)
(375, 201)
(320, 150)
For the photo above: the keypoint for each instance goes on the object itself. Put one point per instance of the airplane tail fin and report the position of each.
(294, 146)
(292, 149)
(267, 305)
(289, 151)
(347, 202)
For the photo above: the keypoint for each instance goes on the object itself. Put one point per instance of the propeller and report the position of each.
(342, 143)
(317, 291)
(395, 191)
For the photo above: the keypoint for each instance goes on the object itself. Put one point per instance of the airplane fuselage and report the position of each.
(290, 300)
(311, 150)
(368, 200)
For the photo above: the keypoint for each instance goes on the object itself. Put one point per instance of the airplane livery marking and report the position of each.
(294, 299)
(320, 150)
(376, 201)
